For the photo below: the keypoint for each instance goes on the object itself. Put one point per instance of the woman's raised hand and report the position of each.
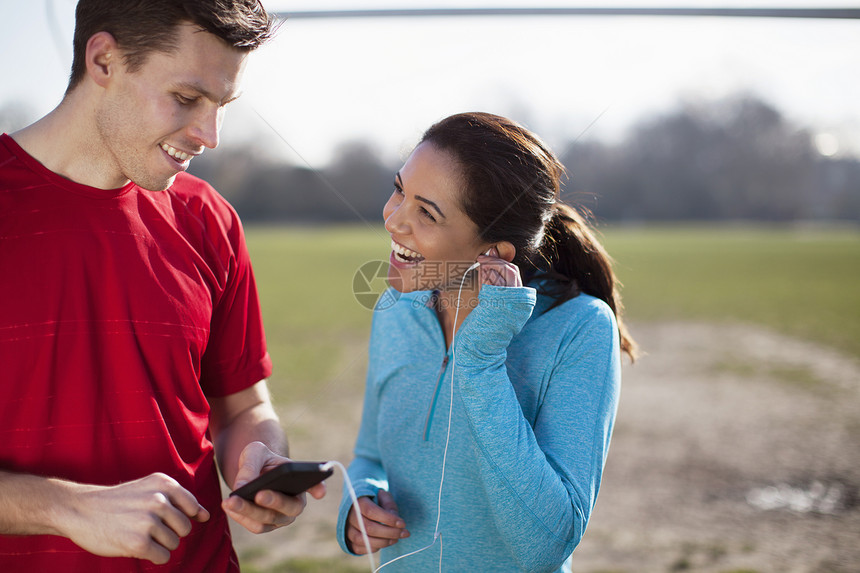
(495, 270)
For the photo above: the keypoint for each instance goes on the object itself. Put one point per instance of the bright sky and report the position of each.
(323, 82)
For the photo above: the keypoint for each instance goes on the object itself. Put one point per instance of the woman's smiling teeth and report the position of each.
(175, 153)
(405, 255)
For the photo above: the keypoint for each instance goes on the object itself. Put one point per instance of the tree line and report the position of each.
(737, 158)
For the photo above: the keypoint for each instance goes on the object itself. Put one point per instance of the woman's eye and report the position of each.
(398, 192)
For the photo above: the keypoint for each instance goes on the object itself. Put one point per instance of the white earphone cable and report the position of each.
(436, 533)
(352, 496)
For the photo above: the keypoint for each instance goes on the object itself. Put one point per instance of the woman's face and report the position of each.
(433, 241)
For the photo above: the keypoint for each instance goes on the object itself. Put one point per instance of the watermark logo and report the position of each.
(370, 283)
(370, 286)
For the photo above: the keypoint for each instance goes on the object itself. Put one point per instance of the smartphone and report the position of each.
(291, 478)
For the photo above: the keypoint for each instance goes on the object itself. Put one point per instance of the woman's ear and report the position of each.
(101, 57)
(506, 250)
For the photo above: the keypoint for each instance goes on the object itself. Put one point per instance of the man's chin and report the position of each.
(156, 185)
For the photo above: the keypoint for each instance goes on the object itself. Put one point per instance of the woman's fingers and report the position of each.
(383, 524)
(499, 272)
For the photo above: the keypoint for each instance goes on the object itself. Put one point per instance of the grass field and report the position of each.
(804, 283)
(800, 282)
(313, 321)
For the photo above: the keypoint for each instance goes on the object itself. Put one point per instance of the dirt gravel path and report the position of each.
(736, 449)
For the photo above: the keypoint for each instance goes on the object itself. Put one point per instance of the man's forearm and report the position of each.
(241, 419)
(247, 429)
(30, 505)
(125, 520)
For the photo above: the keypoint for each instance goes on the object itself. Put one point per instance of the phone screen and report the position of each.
(290, 478)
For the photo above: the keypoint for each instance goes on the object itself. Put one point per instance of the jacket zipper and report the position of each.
(435, 399)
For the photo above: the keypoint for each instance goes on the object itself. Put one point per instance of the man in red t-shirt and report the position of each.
(132, 353)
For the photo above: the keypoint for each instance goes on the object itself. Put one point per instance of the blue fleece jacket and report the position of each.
(535, 395)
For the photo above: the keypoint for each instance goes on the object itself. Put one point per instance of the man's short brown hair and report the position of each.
(144, 26)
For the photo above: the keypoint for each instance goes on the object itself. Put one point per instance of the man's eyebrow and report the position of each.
(206, 93)
(399, 179)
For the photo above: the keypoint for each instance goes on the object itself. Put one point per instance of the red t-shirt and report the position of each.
(120, 312)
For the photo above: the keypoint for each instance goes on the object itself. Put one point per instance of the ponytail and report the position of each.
(579, 263)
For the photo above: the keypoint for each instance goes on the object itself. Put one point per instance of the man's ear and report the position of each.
(506, 251)
(102, 57)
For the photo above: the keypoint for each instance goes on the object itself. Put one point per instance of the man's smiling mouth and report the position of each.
(176, 153)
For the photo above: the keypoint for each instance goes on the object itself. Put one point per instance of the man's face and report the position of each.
(153, 121)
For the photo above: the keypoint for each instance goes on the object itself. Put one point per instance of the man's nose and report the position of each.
(206, 126)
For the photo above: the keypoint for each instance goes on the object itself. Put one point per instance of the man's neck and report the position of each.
(66, 142)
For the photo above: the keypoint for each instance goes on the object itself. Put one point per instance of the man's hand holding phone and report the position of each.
(270, 508)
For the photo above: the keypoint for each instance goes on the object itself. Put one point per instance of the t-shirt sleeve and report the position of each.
(236, 356)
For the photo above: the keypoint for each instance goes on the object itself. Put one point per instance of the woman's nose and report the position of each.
(394, 220)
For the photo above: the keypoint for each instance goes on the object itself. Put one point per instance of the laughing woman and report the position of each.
(492, 391)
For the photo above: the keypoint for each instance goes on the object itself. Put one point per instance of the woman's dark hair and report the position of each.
(512, 186)
(144, 26)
